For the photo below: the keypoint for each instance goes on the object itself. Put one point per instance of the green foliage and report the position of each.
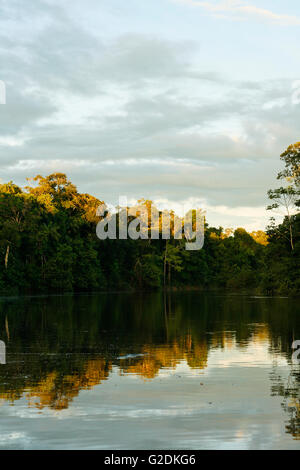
(48, 243)
(47, 238)
(281, 271)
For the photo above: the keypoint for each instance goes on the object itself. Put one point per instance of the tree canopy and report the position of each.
(48, 243)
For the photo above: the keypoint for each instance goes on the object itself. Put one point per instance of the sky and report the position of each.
(185, 102)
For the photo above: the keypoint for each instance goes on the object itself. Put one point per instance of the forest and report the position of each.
(48, 243)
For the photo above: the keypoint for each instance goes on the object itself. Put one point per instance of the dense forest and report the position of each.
(48, 243)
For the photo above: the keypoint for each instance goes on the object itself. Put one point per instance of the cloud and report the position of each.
(239, 10)
(136, 114)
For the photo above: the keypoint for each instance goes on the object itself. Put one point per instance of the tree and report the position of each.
(172, 260)
(287, 199)
(48, 242)
(54, 191)
(260, 237)
(291, 159)
(288, 196)
(280, 271)
(15, 208)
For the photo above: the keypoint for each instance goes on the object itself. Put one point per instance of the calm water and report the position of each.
(181, 371)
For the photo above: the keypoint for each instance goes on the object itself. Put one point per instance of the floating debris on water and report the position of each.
(130, 356)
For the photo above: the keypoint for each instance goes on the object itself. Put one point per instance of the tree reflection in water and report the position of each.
(58, 346)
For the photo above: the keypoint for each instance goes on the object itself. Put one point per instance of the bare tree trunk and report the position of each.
(291, 234)
(166, 315)
(290, 226)
(6, 256)
(165, 264)
(6, 327)
(138, 271)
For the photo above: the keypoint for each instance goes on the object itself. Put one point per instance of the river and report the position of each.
(149, 371)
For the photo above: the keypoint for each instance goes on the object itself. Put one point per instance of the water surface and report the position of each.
(155, 371)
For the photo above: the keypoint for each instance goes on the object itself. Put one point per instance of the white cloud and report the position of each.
(240, 10)
(12, 141)
(141, 114)
(251, 218)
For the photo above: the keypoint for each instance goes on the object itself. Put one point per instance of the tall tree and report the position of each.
(288, 196)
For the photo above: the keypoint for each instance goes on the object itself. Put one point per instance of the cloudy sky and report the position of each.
(180, 101)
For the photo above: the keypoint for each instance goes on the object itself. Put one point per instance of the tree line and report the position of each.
(48, 243)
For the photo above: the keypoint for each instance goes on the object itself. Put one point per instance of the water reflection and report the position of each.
(58, 346)
(289, 390)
